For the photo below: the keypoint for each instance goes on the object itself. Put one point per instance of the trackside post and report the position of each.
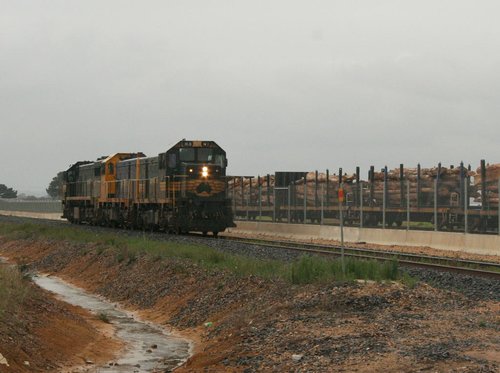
(305, 199)
(289, 197)
(466, 203)
(322, 204)
(435, 205)
(407, 204)
(384, 199)
(361, 205)
(341, 201)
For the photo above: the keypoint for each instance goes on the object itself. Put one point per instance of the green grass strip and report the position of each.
(305, 270)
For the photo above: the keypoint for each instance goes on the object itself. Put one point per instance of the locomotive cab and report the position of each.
(197, 171)
(195, 159)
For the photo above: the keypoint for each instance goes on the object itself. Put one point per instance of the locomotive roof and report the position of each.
(196, 144)
(140, 155)
(132, 160)
(79, 164)
(134, 155)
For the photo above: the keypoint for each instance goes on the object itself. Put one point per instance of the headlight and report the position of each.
(204, 171)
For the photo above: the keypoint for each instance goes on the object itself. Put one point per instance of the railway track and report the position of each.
(470, 267)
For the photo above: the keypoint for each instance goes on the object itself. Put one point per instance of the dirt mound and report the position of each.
(45, 334)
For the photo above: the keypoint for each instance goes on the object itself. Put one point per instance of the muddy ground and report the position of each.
(249, 324)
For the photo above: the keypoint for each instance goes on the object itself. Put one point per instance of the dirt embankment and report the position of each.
(249, 324)
(42, 333)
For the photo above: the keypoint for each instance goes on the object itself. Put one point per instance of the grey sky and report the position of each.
(281, 85)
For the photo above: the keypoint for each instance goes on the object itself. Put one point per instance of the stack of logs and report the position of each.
(448, 184)
(250, 191)
(492, 177)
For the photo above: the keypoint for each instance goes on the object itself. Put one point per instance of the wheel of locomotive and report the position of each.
(215, 233)
(204, 233)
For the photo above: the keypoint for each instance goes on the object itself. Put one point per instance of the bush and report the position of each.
(13, 289)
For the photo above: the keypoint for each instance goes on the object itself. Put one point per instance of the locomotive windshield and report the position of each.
(186, 155)
(201, 155)
(205, 155)
(220, 160)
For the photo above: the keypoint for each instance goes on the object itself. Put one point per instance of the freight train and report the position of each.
(180, 190)
(440, 198)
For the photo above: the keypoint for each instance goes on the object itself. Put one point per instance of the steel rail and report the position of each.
(376, 252)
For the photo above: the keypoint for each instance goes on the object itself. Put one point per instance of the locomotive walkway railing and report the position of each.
(153, 190)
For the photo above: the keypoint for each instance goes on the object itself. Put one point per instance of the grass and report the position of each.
(126, 251)
(420, 225)
(13, 289)
(407, 280)
(310, 269)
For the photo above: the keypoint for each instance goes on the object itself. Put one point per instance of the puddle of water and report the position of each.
(139, 336)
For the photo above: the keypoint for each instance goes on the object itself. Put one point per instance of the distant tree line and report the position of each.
(6, 192)
(54, 190)
(55, 187)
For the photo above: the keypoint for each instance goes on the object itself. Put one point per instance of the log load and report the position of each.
(492, 177)
(448, 186)
(250, 191)
(243, 190)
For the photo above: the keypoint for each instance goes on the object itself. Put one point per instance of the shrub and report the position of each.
(13, 288)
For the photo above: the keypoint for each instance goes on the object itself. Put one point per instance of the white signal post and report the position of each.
(341, 201)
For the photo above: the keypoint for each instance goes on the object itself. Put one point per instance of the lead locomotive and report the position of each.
(181, 190)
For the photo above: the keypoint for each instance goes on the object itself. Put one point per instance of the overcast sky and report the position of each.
(280, 85)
